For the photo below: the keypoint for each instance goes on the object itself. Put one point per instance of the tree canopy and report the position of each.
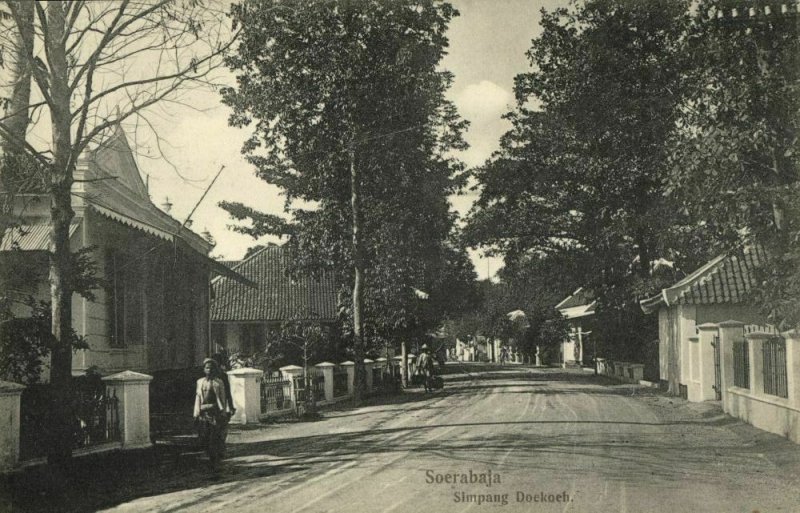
(734, 162)
(583, 171)
(350, 120)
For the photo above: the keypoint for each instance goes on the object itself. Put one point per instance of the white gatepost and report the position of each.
(351, 376)
(132, 390)
(793, 369)
(246, 394)
(9, 424)
(368, 369)
(327, 375)
(290, 372)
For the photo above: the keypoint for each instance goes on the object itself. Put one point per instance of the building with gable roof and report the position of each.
(241, 316)
(713, 293)
(153, 311)
(578, 309)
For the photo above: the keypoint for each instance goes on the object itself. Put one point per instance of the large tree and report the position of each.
(93, 66)
(583, 170)
(351, 122)
(736, 160)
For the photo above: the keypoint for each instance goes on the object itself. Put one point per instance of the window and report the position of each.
(741, 364)
(775, 367)
(124, 300)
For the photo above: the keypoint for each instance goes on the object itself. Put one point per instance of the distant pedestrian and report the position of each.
(425, 367)
(211, 412)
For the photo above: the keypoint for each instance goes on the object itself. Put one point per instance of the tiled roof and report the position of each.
(277, 297)
(724, 280)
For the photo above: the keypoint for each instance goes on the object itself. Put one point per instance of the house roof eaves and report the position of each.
(652, 304)
(558, 306)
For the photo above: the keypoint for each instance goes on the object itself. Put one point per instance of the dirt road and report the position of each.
(512, 439)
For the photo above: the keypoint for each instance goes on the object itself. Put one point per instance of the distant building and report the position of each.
(153, 312)
(578, 309)
(242, 315)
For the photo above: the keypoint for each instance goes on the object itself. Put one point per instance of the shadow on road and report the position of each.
(99, 482)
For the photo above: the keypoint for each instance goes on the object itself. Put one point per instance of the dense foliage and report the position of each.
(350, 120)
(582, 174)
(735, 163)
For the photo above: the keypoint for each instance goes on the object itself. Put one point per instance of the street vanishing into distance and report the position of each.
(515, 438)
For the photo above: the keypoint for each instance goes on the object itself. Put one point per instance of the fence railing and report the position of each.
(741, 364)
(95, 418)
(317, 380)
(275, 394)
(385, 378)
(775, 382)
(97, 413)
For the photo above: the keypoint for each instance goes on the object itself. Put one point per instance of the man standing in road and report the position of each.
(425, 367)
(210, 412)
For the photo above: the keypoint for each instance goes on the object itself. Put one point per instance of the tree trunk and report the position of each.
(403, 364)
(358, 280)
(61, 214)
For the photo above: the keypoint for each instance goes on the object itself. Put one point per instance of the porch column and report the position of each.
(246, 395)
(132, 392)
(10, 394)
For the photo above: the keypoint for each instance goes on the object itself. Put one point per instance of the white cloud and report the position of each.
(483, 101)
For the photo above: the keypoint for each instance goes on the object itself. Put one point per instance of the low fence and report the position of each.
(623, 371)
(385, 379)
(276, 394)
(95, 417)
(316, 380)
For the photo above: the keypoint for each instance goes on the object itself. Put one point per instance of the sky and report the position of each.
(487, 49)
